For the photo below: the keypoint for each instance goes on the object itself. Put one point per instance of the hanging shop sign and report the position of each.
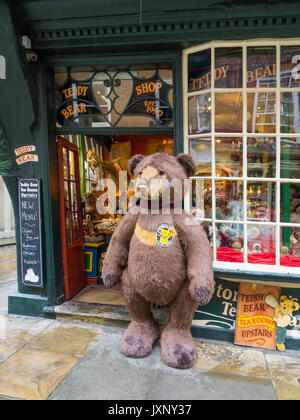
(30, 232)
(150, 97)
(77, 100)
(25, 154)
(255, 324)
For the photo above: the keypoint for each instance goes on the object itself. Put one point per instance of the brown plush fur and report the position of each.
(179, 275)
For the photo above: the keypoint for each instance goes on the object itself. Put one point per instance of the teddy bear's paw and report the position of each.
(202, 296)
(180, 356)
(108, 280)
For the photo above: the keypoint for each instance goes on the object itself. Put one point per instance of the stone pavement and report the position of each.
(42, 359)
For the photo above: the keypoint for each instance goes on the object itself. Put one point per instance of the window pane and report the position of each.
(66, 194)
(261, 112)
(229, 156)
(229, 200)
(75, 227)
(290, 158)
(261, 201)
(202, 196)
(229, 112)
(200, 114)
(69, 228)
(200, 150)
(289, 112)
(290, 203)
(73, 190)
(290, 69)
(199, 71)
(261, 67)
(230, 242)
(261, 244)
(290, 247)
(261, 152)
(228, 68)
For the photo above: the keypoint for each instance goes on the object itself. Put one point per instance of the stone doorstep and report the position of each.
(102, 314)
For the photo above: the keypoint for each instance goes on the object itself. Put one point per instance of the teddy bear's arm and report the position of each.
(115, 260)
(198, 256)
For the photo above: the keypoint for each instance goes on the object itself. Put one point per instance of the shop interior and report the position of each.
(103, 157)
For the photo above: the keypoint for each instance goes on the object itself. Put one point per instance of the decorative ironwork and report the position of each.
(104, 98)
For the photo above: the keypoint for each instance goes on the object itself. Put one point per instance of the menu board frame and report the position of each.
(30, 232)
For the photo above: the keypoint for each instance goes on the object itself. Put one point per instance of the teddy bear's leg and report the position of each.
(177, 345)
(143, 331)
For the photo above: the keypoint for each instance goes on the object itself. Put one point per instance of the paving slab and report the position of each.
(285, 374)
(66, 338)
(230, 359)
(104, 374)
(33, 374)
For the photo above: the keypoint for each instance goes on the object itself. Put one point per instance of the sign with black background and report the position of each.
(30, 232)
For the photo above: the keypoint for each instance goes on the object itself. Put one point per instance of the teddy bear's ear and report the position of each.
(133, 162)
(188, 164)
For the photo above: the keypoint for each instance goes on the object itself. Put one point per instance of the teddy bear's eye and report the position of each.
(161, 173)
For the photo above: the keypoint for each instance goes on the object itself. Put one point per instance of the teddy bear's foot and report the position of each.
(178, 349)
(280, 347)
(138, 339)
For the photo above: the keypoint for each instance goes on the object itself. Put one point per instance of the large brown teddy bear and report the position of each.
(162, 259)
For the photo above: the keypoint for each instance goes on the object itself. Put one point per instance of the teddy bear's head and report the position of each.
(160, 173)
(288, 306)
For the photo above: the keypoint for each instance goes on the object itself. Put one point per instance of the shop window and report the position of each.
(242, 127)
(119, 97)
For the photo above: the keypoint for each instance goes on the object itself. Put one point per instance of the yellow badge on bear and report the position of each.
(165, 235)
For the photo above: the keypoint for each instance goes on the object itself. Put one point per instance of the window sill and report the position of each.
(259, 273)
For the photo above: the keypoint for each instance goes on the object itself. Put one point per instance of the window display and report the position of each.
(248, 168)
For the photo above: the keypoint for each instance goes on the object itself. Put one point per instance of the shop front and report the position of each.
(101, 93)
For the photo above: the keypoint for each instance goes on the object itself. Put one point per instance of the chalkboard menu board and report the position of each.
(30, 232)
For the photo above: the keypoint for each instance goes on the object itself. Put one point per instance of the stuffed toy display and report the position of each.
(163, 259)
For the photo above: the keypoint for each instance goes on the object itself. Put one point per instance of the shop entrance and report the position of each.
(83, 162)
(71, 217)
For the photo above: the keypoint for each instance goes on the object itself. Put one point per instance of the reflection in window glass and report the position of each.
(200, 114)
(261, 67)
(200, 150)
(261, 153)
(229, 112)
(228, 68)
(261, 112)
(261, 200)
(290, 248)
(261, 248)
(290, 203)
(202, 196)
(229, 200)
(229, 156)
(290, 112)
(290, 158)
(289, 66)
(199, 69)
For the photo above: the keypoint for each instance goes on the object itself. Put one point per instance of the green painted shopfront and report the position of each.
(85, 85)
